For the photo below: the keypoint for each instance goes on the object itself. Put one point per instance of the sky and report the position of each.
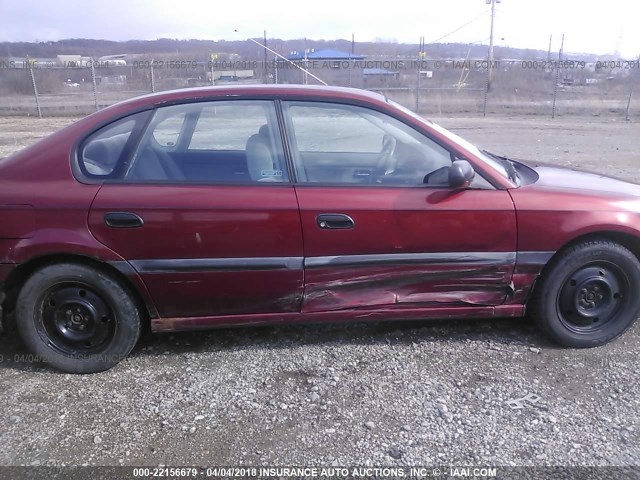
(589, 26)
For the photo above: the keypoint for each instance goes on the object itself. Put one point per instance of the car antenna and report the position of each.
(289, 61)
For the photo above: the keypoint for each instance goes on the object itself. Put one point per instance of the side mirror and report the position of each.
(461, 174)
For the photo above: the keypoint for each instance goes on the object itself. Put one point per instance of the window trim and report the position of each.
(291, 140)
(78, 168)
(284, 133)
(186, 137)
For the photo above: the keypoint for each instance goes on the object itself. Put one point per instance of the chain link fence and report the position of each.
(435, 87)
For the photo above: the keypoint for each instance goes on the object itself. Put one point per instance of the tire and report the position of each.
(588, 295)
(77, 318)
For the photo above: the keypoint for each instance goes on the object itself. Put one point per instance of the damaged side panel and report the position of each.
(463, 281)
(424, 246)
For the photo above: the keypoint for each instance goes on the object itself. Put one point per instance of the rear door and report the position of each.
(374, 233)
(204, 211)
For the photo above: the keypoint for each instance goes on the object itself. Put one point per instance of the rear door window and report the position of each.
(234, 141)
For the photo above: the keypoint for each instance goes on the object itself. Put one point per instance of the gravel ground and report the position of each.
(365, 394)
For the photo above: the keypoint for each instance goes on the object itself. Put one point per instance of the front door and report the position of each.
(203, 210)
(375, 234)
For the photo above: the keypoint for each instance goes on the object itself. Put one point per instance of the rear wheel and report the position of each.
(77, 318)
(589, 295)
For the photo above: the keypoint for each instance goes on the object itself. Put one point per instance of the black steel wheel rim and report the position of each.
(75, 319)
(592, 297)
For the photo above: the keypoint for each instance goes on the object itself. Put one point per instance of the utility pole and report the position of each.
(266, 70)
(35, 89)
(93, 81)
(306, 63)
(353, 41)
(275, 64)
(630, 93)
(493, 17)
(152, 77)
(629, 102)
(490, 55)
(420, 57)
(555, 87)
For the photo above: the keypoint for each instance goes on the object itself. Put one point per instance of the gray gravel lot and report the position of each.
(364, 394)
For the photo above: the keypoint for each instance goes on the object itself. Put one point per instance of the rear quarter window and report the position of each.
(101, 152)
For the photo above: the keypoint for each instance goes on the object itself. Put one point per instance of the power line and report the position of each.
(478, 42)
(460, 27)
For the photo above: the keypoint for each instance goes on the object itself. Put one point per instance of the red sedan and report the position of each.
(231, 206)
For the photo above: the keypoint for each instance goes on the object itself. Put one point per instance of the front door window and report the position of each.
(347, 144)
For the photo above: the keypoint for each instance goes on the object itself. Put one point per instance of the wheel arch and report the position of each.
(627, 240)
(544, 310)
(18, 276)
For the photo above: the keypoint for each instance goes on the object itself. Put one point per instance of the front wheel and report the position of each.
(589, 295)
(77, 318)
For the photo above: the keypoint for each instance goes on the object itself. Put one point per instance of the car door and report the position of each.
(203, 210)
(374, 233)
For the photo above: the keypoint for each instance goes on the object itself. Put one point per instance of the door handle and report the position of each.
(335, 221)
(123, 220)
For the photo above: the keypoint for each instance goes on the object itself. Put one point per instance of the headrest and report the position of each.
(264, 130)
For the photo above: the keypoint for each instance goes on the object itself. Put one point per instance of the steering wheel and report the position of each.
(386, 162)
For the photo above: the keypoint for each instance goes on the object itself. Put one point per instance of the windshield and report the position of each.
(493, 161)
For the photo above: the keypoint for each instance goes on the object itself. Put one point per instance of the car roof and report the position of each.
(276, 91)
